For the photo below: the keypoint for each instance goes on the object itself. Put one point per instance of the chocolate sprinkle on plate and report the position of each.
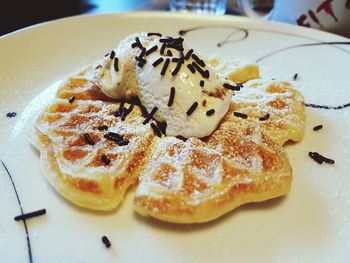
(156, 130)
(192, 108)
(102, 128)
(171, 97)
(318, 127)
(265, 117)
(11, 114)
(165, 66)
(157, 62)
(71, 99)
(105, 159)
(241, 115)
(106, 241)
(320, 159)
(295, 76)
(30, 215)
(88, 139)
(210, 112)
(150, 116)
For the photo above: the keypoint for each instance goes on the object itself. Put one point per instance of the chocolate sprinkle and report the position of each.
(112, 55)
(165, 66)
(150, 116)
(192, 108)
(137, 43)
(171, 97)
(11, 114)
(191, 68)
(88, 139)
(112, 136)
(201, 83)
(210, 112)
(116, 66)
(231, 87)
(239, 85)
(265, 117)
(156, 130)
(30, 215)
(154, 34)
(157, 62)
(318, 127)
(102, 128)
(198, 60)
(105, 159)
(123, 142)
(295, 76)
(177, 68)
(152, 49)
(126, 112)
(162, 127)
(169, 53)
(71, 99)
(162, 48)
(204, 73)
(106, 241)
(188, 54)
(320, 159)
(241, 115)
(181, 138)
(166, 40)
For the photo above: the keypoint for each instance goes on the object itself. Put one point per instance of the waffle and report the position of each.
(182, 181)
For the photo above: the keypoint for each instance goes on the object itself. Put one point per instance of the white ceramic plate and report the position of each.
(311, 224)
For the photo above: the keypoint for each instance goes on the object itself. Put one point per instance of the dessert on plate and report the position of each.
(197, 137)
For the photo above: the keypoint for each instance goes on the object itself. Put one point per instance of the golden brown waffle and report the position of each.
(184, 181)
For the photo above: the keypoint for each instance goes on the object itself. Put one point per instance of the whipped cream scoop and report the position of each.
(172, 82)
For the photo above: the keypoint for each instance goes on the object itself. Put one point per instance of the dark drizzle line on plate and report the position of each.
(303, 45)
(20, 206)
(326, 107)
(334, 44)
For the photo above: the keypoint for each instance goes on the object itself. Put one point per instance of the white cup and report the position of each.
(329, 15)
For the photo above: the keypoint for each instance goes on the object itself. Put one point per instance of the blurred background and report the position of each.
(15, 15)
